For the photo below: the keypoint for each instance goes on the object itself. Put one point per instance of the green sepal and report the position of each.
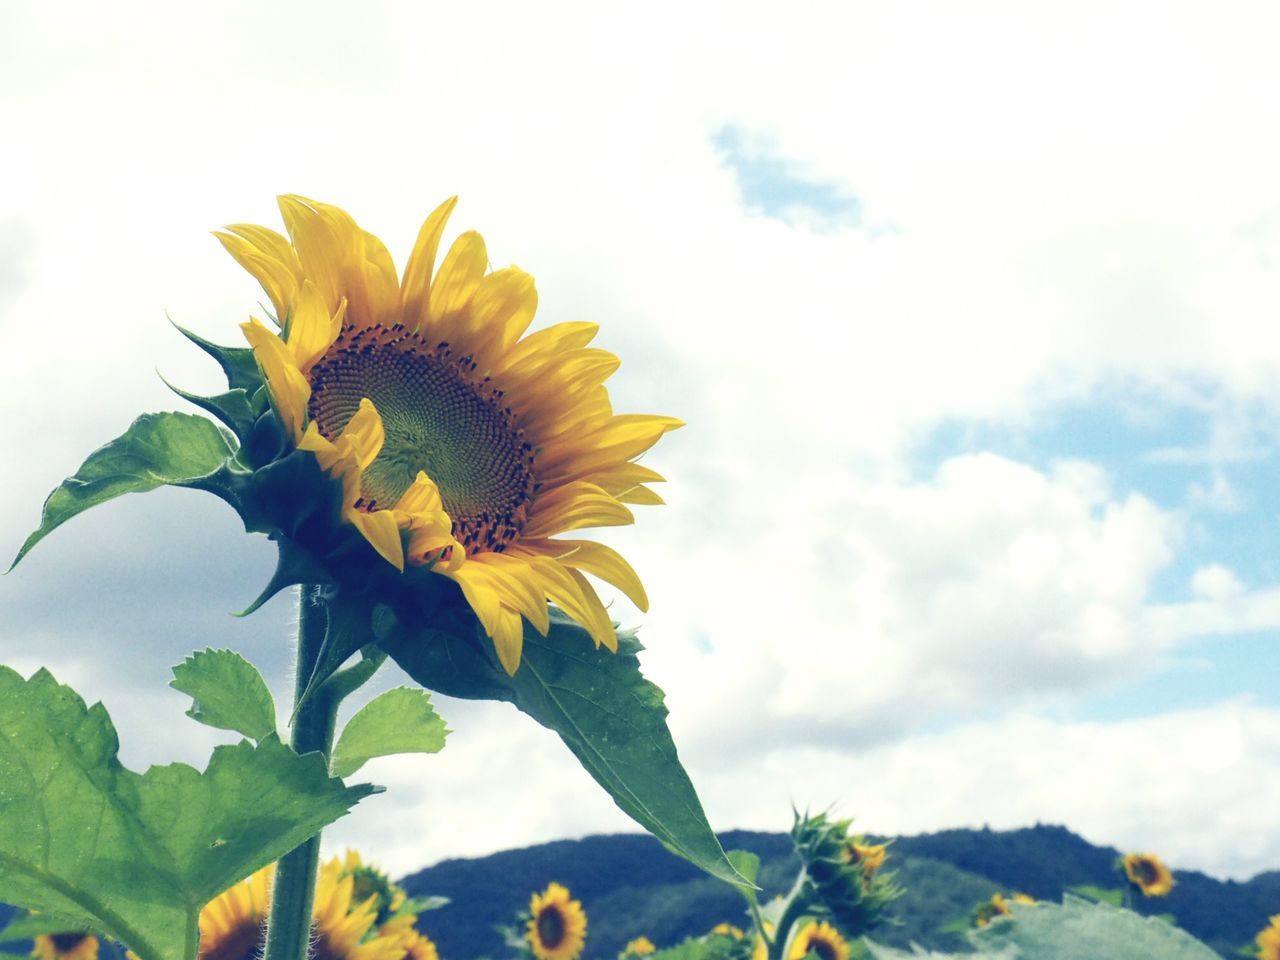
(401, 720)
(158, 449)
(234, 408)
(606, 712)
(294, 566)
(237, 363)
(1080, 930)
(136, 856)
(227, 692)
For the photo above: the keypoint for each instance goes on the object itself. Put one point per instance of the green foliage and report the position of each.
(606, 712)
(227, 692)
(1098, 894)
(881, 952)
(157, 449)
(398, 721)
(1079, 930)
(136, 856)
(748, 866)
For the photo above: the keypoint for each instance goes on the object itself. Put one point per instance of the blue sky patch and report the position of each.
(777, 186)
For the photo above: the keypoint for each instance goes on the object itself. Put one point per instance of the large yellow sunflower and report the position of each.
(1148, 873)
(459, 444)
(65, 946)
(1269, 941)
(820, 938)
(557, 925)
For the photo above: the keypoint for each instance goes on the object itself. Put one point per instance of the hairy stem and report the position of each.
(289, 926)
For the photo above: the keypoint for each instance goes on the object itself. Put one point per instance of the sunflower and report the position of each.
(820, 938)
(343, 923)
(727, 930)
(870, 856)
(66, 946)
(557, 925)
(233, 924)
(459, 445)
(1146, 872)
(638, 947)
(997, 906)
(1269, 941)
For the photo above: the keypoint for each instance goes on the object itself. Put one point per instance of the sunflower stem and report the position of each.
(796, 905)
(289, 924)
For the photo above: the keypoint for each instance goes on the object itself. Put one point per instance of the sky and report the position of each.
(970, 314)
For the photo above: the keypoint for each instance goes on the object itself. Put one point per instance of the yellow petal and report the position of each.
(519, 587)
(573, 506)
(416, 287)
(459, 275)
(365, 433)
(551, 340)
(320, 250)
(279, 279)
(599, 561)
(502, 307)
(508, 640)
(422, 496)
(312, 328)
(289, 388)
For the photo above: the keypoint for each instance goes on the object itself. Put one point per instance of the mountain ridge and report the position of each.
(631, 886)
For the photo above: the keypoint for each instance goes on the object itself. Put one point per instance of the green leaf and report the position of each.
(136, 856)
(32, 925)
(748, 866)
(398, 721)
(1099, 894)
(880, 952)
(1079, 930)
(227, 692)
(157, 449)
(606, 712)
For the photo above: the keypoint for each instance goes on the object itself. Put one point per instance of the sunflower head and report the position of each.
(637, 948)
(1268, 940)
(843, 876)
(1147, 873)
(557, 928)
(233, 924)
(409, 424)
(66, 946)
(821, 939)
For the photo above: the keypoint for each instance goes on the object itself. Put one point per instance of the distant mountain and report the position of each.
(629, 886)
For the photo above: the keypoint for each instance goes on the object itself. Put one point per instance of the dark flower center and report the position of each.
(551, 927)
(439, 416)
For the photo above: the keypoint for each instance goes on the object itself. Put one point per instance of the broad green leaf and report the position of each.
(135, 856)
(227, 692)
(1079, 930)
(157, 449)
(606, 712)
(401, 720)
